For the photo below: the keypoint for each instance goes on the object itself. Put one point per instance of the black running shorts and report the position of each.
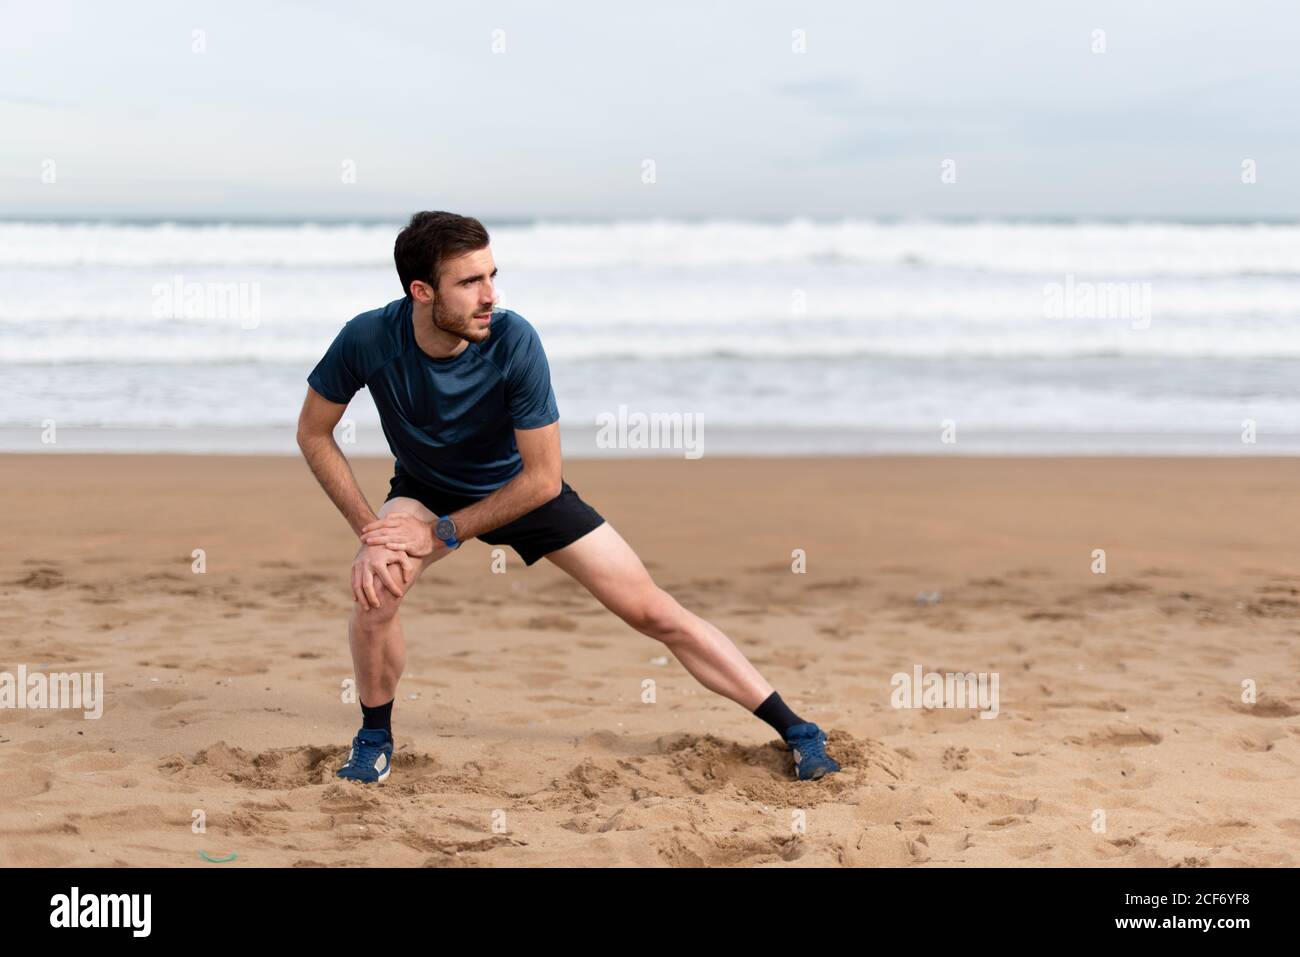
(561, 521)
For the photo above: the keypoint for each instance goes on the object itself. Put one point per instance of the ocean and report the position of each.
(982, 337)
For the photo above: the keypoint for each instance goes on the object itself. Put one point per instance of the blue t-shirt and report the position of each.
(450, 422)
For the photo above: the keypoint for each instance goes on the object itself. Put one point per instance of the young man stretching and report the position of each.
(464, 396)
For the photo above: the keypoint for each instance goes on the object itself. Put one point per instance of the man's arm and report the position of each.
(316, 439)
(536, 484)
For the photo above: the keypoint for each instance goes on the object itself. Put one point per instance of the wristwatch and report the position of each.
(445, 529)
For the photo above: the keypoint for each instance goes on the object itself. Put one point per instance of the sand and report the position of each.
(1121, 739)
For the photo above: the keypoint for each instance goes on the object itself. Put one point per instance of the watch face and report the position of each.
(445, 529)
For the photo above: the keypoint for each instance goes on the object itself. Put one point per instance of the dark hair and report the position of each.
(428, 240)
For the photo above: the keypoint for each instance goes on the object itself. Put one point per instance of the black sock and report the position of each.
(378, 717)
(778, 714)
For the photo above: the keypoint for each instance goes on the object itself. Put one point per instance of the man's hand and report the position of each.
(404, 532)
(373, 562)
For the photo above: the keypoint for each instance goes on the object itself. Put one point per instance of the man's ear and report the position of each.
(433, 295)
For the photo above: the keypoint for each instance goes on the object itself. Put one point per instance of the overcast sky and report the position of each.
(562, 120)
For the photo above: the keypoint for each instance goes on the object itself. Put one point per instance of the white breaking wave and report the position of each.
(235, 346)
(323, 302)
(1134, 249)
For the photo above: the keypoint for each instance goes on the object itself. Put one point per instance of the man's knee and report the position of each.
(368, 618)
(656, 613)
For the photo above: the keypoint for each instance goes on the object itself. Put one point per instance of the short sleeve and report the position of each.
(528, 383)
(339, 374)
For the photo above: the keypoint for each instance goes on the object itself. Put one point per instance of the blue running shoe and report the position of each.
(371, 757)
(808, 742)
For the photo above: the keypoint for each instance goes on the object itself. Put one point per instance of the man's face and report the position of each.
(466, 295)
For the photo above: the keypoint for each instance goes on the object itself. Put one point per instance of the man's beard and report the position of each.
(466, 328)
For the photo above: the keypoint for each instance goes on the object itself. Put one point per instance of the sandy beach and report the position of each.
(1122, 736)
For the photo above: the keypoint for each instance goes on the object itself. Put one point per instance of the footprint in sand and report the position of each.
(1258, 740)
(1120, 588)
(281, 768)
(1117, 738)
(43, 578)
(998, 804)
(703, 849)
(1052, 616)
(1265, 708)
(956, 759)
(1217, 834)
(24, 781)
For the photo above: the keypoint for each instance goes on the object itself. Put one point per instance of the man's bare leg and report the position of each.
(608, 567)
(611, 571)
(375, 634)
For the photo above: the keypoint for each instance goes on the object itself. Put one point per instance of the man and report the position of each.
(465, 399)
